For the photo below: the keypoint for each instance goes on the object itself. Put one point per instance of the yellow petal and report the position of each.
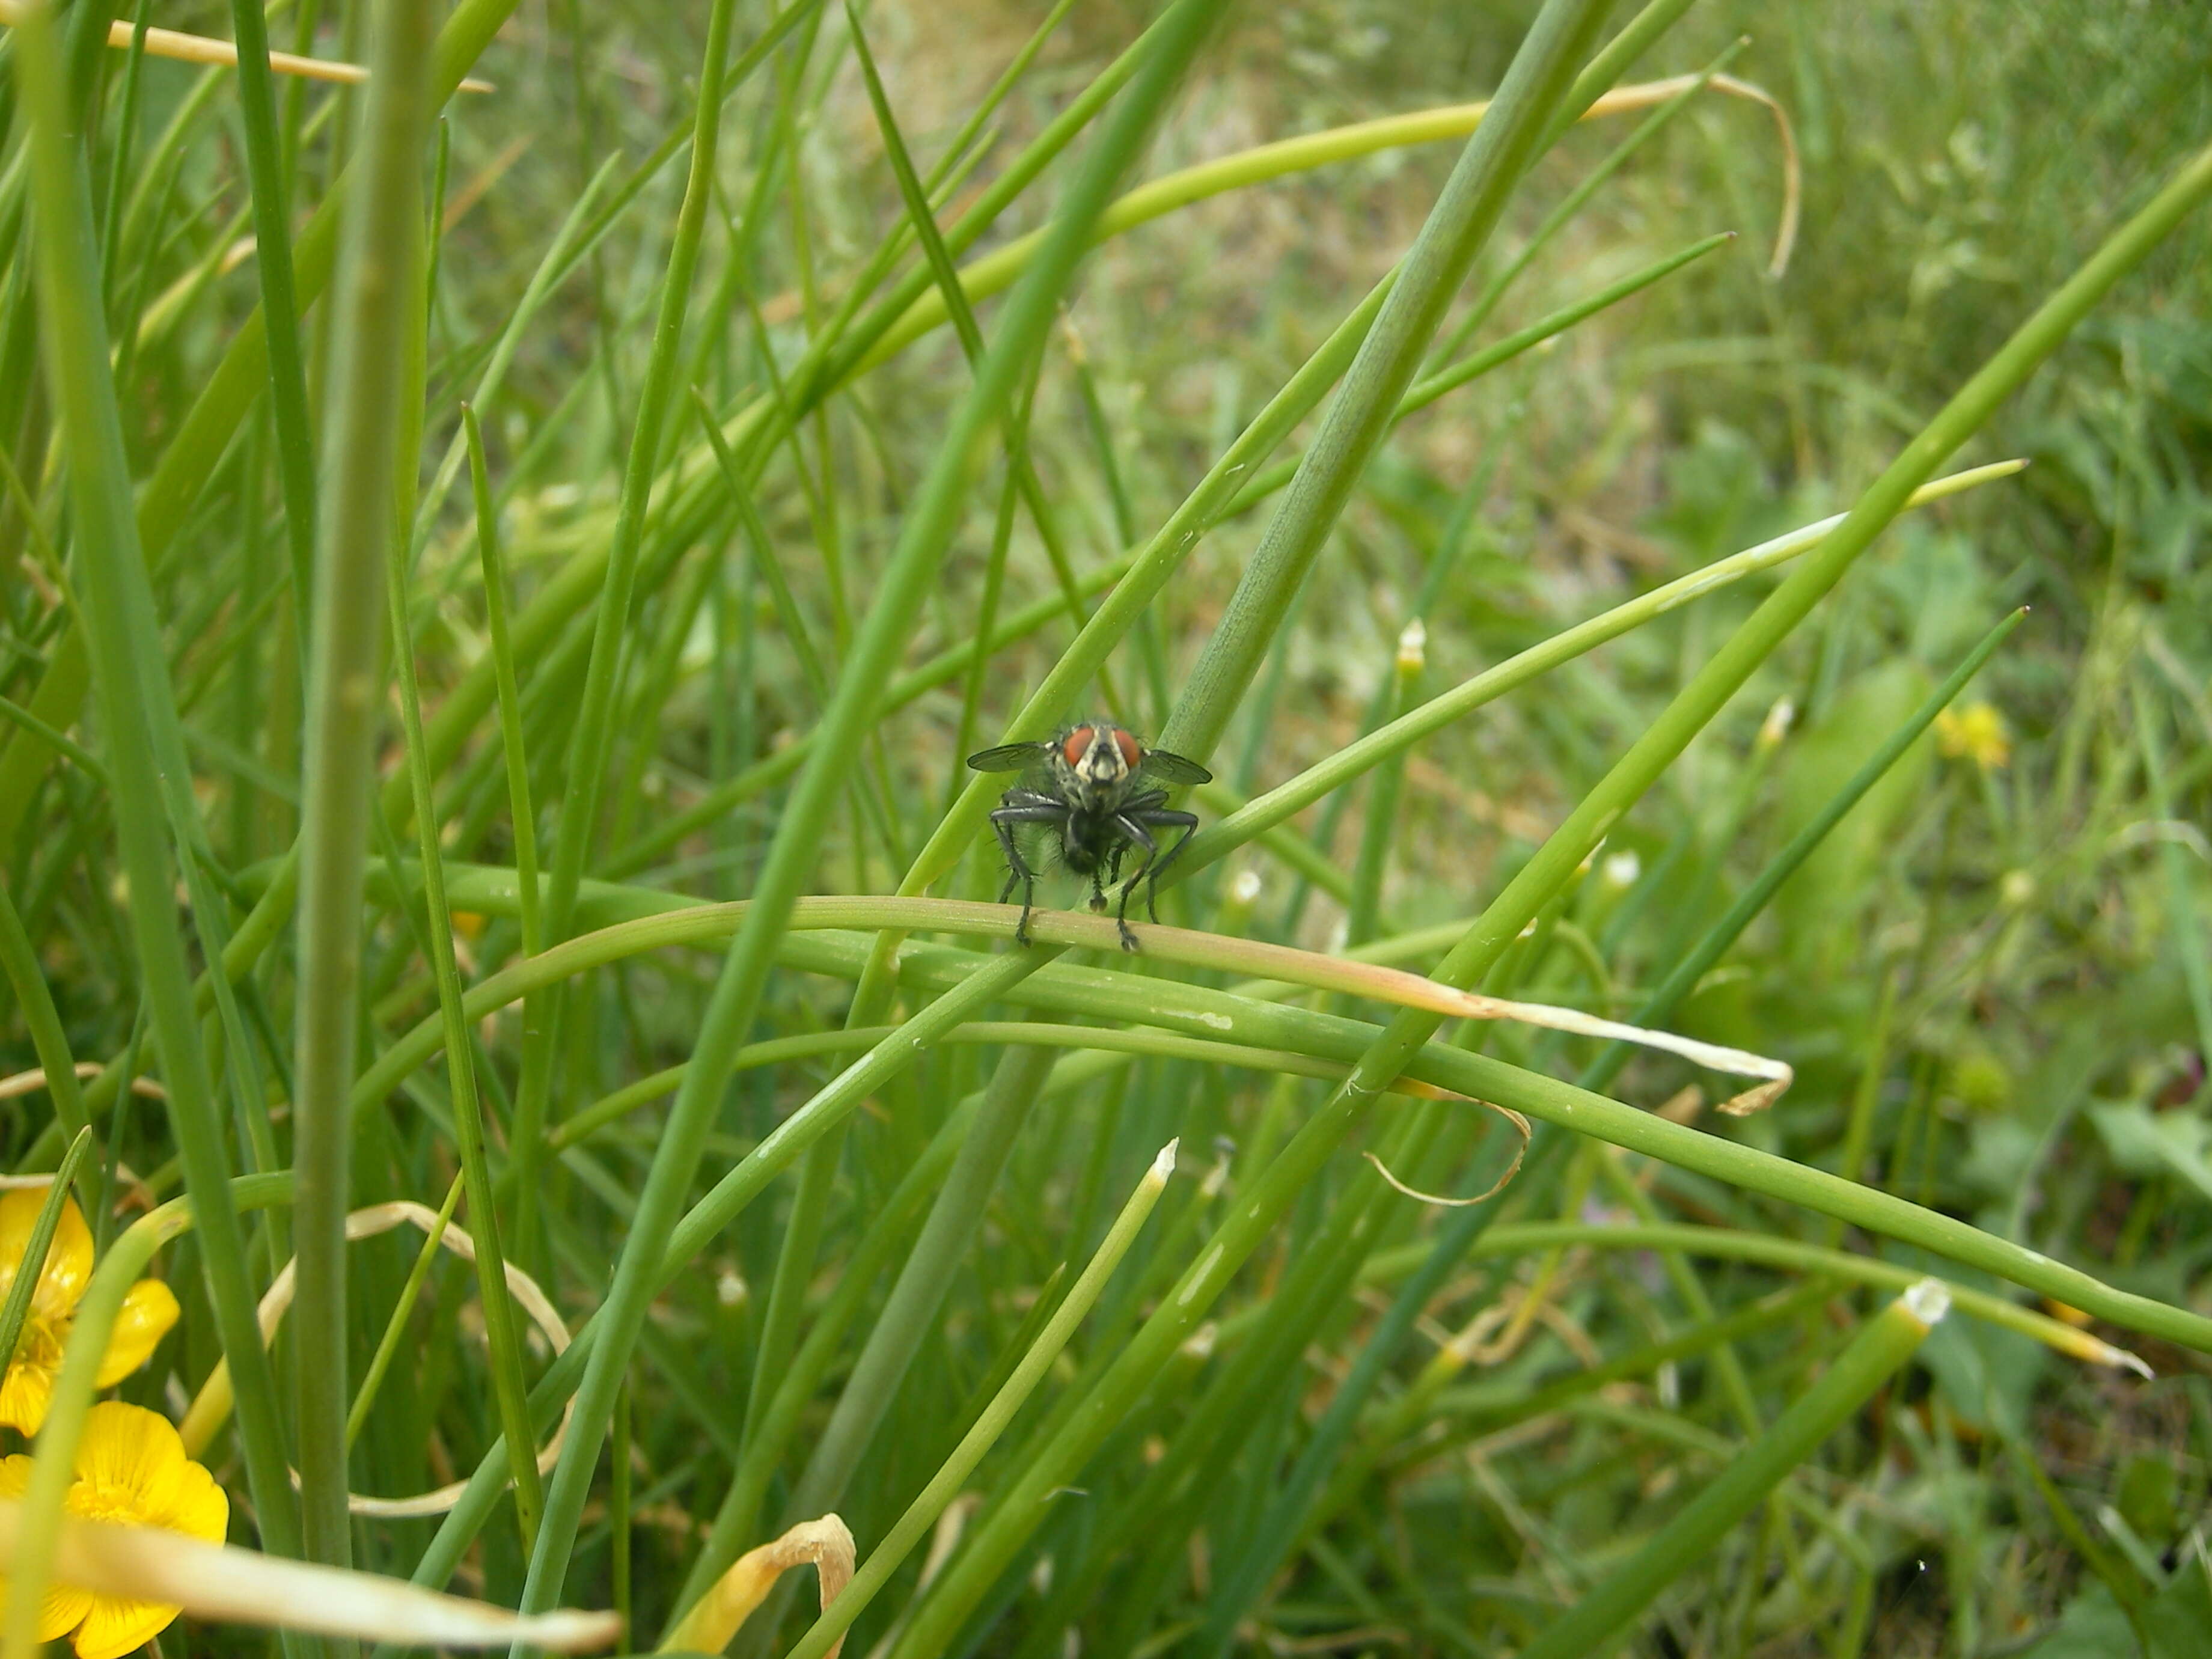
(114, 1628)
(68, 1258)
(148, 1310)
(130, 1464)
(24, 1397)
(196, 1507)
(63, 1610)
(62, 1606)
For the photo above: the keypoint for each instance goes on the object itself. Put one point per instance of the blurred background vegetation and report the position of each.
(2005, 945)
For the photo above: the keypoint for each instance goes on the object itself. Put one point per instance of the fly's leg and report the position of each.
(1003, 820)
(1130, 826)
(1138, 824)
(1104, 876)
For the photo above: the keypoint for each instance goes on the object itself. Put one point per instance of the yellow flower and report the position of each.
(148, 1311)
(130, 1470)
(1976, 733)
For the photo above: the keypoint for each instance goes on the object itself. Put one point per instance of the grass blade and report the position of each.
(377, 308)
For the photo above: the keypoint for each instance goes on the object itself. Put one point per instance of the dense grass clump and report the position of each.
(1662, 1112)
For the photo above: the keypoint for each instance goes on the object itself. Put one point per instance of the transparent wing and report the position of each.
(1008, 756)
(1170, 768)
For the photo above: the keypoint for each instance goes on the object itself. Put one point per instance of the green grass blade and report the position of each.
(524, 813)
(19, 959)
(509, 1390)
(402, 1310)
(593, 735)
(280, 310)
(31, 1267)
(377, 311)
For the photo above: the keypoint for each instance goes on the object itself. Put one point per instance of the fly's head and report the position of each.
(1093, 765)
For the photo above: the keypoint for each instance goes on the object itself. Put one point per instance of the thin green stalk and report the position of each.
(827, 1110)
(30, 1267)
(119, 648)
(922, 311)
(931, 519)
(1101, 432)
(2116, 1574)
(126, 138)
(402, 1310)
(19, 959)
(509, 1390)
(920, 1514)
(1242, 1580)
(910, 1313)
(762, 548)
(272, 263)
(1381, 827)
(1021, 468)
(987, 621)
(836, 362)
(2189, 933)
(524, 815)
(1482, 1410)
(1518, 1238)
(377, 311)
(556, 264)
(1879, 1350)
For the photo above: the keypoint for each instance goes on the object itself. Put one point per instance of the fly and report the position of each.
(1101, 793)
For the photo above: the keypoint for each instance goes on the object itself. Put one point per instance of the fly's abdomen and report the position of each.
(1082, 846)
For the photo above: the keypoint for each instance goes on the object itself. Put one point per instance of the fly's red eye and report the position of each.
(1130, 753)
(1075, 745)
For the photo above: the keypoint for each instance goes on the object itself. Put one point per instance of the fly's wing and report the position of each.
(1170, 768)
(1009, 757)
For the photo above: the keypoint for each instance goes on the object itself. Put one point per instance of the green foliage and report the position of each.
(770, 522)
